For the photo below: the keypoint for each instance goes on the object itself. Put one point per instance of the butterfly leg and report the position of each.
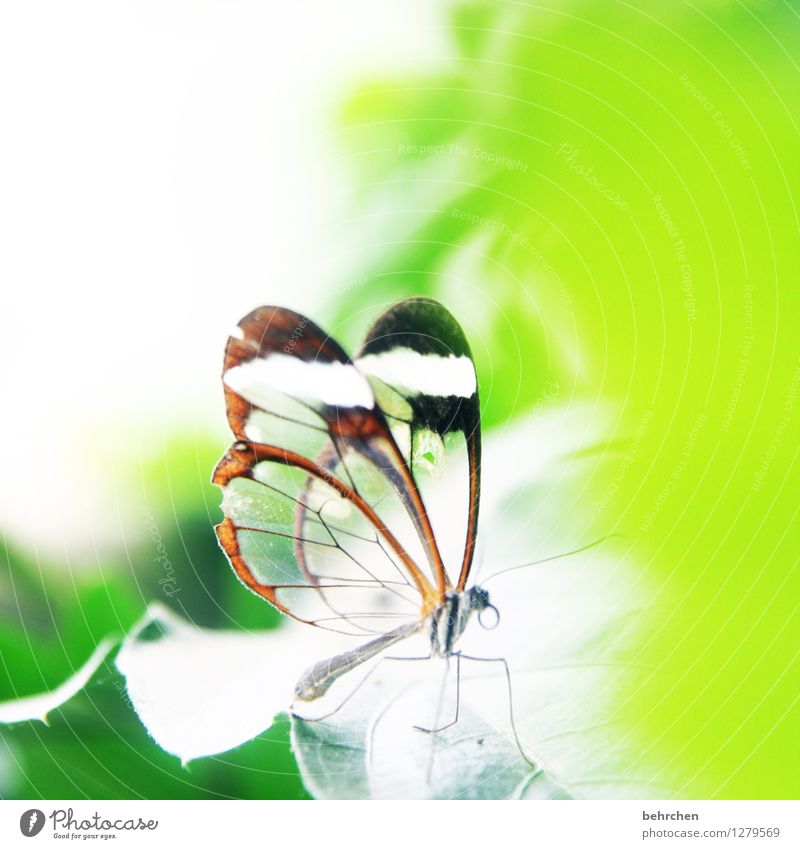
(454, 720)
(504, 662)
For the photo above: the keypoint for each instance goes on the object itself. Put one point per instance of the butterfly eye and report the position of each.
(491, 621)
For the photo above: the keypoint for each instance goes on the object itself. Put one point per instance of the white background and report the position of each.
(165, 167)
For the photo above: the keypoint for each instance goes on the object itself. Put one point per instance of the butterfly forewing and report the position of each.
(419, 364)
(282, 371)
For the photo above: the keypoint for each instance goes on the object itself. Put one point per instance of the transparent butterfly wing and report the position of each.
(347, 577)
(419, 364)
(314, 482)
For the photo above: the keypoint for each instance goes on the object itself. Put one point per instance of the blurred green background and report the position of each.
(606, 195)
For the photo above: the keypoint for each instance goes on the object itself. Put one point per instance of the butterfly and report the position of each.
(329, 485)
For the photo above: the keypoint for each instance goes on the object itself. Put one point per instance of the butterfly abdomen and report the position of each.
(318, 679)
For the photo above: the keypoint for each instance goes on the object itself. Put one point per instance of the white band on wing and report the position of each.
(332, 383)
(422, 374)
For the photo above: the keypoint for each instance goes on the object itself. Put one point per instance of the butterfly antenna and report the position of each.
(554, 557)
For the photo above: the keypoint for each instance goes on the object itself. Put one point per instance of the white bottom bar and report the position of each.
(401, 824)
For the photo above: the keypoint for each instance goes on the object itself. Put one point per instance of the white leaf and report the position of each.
(200, 691)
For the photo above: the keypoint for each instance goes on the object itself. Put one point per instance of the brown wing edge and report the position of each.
(274, 329)
(474, 455)
(226, 536)
(239, 461)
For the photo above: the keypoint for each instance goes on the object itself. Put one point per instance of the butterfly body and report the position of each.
(449, 621)
(318, 678)
(444, 625)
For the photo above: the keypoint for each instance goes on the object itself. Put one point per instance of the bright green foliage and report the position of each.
(606, 195)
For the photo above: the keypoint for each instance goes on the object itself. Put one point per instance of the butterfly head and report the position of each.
(478, 599)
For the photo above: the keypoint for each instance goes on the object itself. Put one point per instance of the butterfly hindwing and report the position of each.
(317, 551)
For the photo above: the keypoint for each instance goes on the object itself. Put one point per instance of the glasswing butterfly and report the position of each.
(326, 488)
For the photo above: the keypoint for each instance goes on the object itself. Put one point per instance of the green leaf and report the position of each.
(40, 705)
